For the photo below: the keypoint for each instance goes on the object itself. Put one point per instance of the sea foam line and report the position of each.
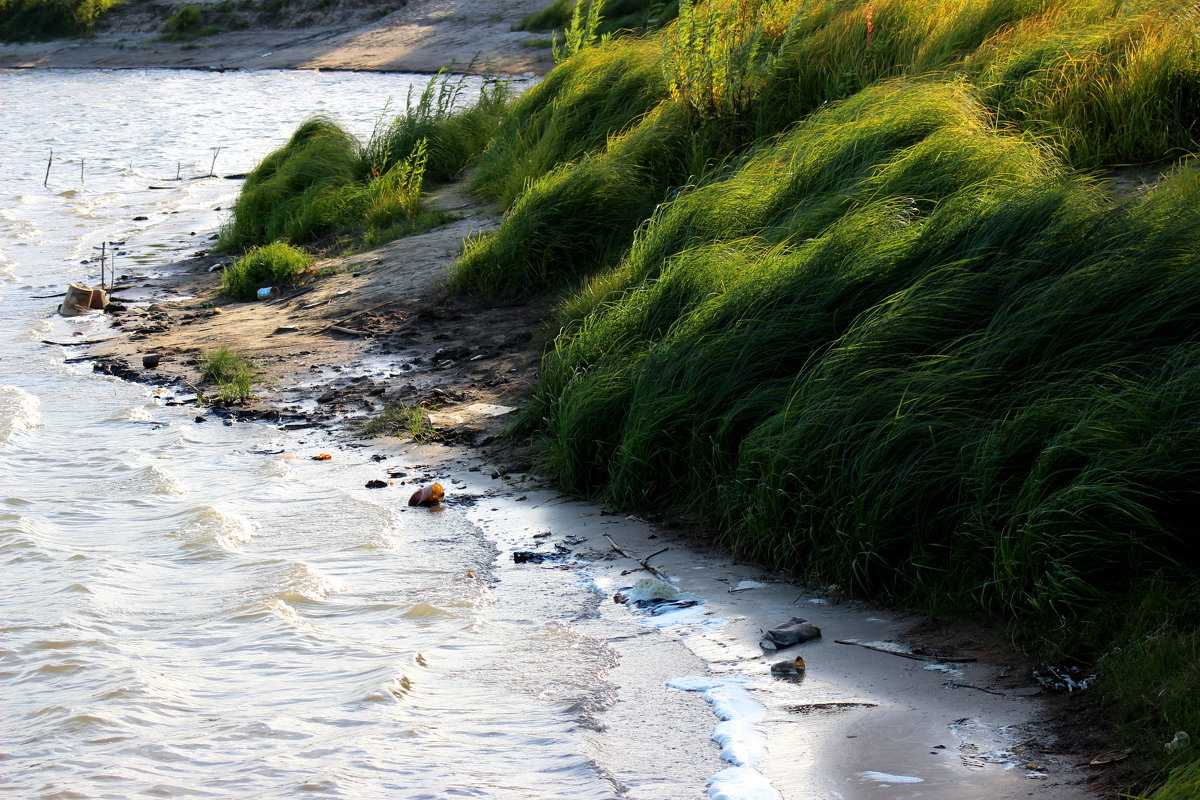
(742, 743)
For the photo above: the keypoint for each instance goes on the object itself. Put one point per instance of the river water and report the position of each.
(184, 612)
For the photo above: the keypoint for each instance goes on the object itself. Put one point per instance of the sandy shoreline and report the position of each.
(963, 729)
(422, 36)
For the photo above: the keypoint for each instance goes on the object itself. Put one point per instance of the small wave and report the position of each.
(19, 411)
(306, 582)
(208, 526)
(395, 689)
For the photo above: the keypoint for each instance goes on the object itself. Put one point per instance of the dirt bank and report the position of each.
(420, 36)
(386, 307)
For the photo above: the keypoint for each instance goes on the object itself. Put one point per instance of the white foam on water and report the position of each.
(309, 583)
(19, 411)
(883, 777)
(742, 744)
(741, 783)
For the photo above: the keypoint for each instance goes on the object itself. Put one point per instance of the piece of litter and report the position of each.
(794, 631)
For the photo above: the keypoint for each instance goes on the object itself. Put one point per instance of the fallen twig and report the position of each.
(346, 331)
(957, 685)
(78, 344)
(914, 656)
(645, 562)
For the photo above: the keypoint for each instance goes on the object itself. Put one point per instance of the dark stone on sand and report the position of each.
(150, 361)
(534, 557)
(794, 631)
(140, 219)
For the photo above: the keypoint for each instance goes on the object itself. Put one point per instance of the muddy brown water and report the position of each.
(200, 609)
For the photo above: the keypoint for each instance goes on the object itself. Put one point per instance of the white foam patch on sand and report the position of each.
(692, 615)
(883, 777)
(946, 668)
(742, 744)
(891, 647)
(741, 783)
(744, 585)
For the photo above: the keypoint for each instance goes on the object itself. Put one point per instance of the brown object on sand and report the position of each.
(81, 298)
(428, 496)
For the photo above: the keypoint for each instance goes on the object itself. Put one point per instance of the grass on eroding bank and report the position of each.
(903, 351)
(326, 183)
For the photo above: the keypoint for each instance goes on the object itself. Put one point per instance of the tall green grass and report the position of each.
(325, 182)
(598, 94)
(32, 20)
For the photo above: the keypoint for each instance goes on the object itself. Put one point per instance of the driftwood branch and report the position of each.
(958, 685)
(645, 562)
(346, 331)
(914, 656)
(79, 343)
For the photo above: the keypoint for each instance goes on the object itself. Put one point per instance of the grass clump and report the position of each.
(35, 20)
(324, 183)
(402, 419)
(277, 265)
(230, 373)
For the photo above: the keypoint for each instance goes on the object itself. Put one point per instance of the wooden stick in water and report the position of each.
(46, 179)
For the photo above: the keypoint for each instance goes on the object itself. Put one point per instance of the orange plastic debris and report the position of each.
(322, 457)
(428, 496)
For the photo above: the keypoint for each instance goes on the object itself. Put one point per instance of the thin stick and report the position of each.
(82, 161)
(103, 250)
(178, 165)
(213, 165)
(913, 656)
(643, 561)
(958, 685)
(48, 163)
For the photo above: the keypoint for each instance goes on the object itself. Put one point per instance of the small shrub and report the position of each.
(554, 16)
(275, 264)
(230, 372)
(401, 419)
(186, 20)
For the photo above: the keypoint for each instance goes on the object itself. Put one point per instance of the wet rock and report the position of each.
(428, 496)
(150, 361)
(534, 557)
(792, 668)
(377, 484)
(794, 631)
